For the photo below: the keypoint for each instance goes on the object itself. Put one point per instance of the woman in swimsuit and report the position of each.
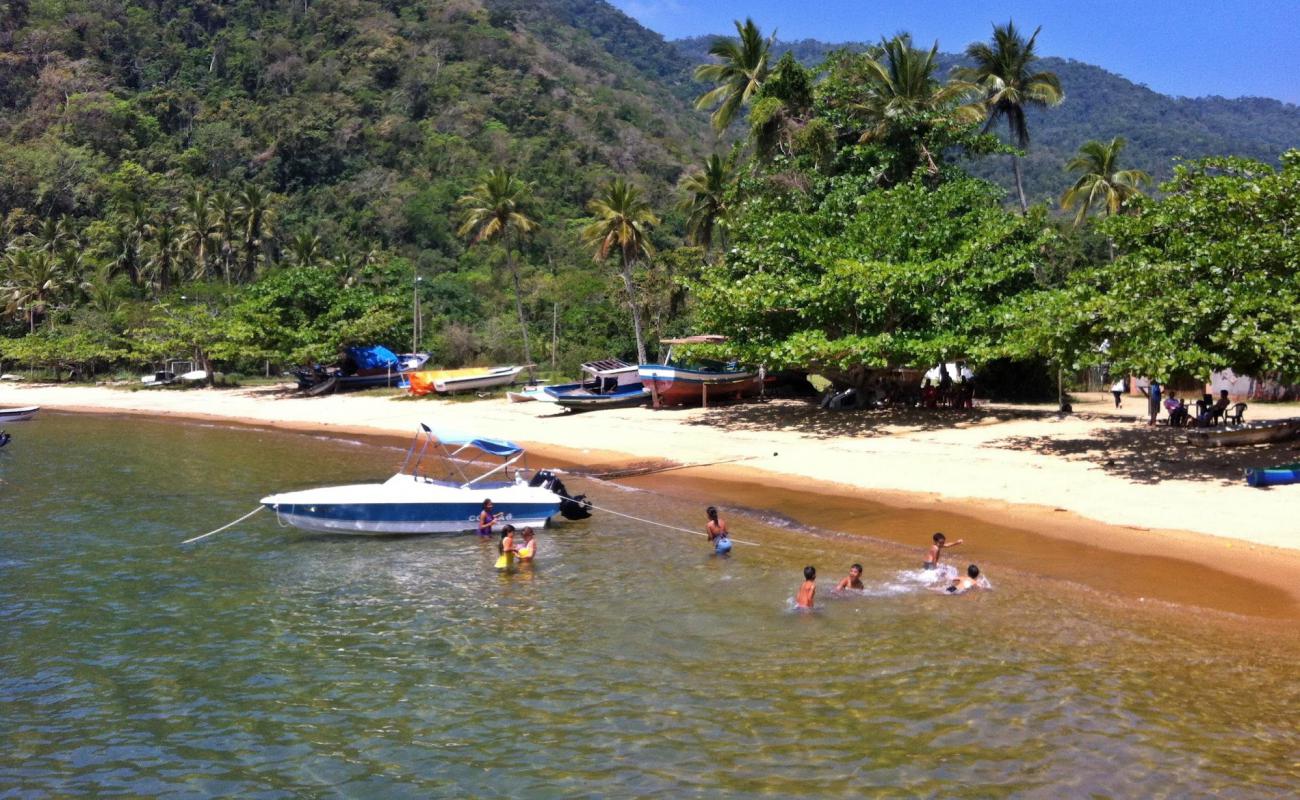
(486, 518)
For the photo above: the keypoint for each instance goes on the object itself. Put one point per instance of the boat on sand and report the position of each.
(1250, 433)
(462, 380)
(698, 382)
(611, 384)
(440, 488)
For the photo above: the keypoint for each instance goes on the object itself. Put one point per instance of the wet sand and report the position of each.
(1229, 573)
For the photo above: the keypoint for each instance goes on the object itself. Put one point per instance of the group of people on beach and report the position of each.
(719, 539)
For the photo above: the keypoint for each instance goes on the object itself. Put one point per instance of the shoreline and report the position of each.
(1242, 572)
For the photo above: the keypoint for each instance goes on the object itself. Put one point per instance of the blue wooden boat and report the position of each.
(1273, 476)
(612, 384)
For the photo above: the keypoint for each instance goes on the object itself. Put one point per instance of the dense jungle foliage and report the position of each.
(258, 184)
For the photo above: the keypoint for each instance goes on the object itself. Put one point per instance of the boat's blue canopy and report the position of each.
(496, 447)
(375, 356)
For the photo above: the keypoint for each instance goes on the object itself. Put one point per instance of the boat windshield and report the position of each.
(442, 454)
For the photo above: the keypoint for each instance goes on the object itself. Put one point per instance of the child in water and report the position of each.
(936, 550)
(853, 581)
(972, 580)
(486, 518)
(506, 548)
(808, 591)
(529, 548)
(716, 529)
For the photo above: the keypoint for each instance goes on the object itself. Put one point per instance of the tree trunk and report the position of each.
(519, 308)
(1020, 185)
(636, 311)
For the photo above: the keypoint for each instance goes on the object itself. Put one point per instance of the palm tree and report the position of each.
(34, 281)
(623, 222)
(163, 253)
(495, 209)
(1003, 71)
(253, 214)
(1101, 182)
(901, 90)
(226, 207)
(305, 249)
(199, 229)
(738, 75)
(705, 202)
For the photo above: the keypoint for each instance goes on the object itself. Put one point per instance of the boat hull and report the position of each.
(577, 397)
(1259, 433)
(678, 386)
(497, 377)
(406, 505)
(1274, 476)
(18, 414)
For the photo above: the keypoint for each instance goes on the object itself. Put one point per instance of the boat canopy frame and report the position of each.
(475, 447)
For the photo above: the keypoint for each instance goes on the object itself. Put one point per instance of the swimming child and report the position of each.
(716, 528)
(808, 591)
(972, 580)
(529, 548)
(486, 518)
(936, 549)
(853, 581)
(506, 548)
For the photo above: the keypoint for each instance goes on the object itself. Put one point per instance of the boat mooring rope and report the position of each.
(590, 504)
(224, 527)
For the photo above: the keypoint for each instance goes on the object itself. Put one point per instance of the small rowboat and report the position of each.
(1252, 433)
(485, 379)
(575, 397)
(1273, 476)
(18, 414)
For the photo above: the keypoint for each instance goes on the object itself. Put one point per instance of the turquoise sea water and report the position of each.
(629, 663)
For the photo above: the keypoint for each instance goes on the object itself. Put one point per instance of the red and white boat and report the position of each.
(681, 384)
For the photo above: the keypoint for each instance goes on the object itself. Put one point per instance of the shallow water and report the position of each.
(267, 663)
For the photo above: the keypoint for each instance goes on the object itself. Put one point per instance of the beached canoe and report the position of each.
(1273, 476)
(1252, 433)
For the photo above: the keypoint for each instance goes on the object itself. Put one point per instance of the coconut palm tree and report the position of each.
(1101, 182)
(738, 75)
(226, 208)
(305, 249)
(1004, 72)
(164, 253)
(705, 203)
(200, 227)
(34, 281)
(901, 92)
(254, 216)
(495, 210)
(622, 222)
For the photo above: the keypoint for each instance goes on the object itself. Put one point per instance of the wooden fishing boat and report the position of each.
(18, 414)
(422, 382)
(610, 383)
(1251, 433)
(361, 368)
(688, 384)
(1282, 475)
(462, 380)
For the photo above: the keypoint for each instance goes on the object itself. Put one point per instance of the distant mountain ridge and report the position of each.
(1100, 104)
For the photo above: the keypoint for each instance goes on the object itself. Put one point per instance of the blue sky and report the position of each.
(1192, 48)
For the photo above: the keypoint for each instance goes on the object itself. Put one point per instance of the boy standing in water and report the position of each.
(936, 549)
(853, 581)
(804, 598)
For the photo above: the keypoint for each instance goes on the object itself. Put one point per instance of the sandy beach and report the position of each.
(1096, 479)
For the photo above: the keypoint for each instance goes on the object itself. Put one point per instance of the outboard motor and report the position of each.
(570, 507)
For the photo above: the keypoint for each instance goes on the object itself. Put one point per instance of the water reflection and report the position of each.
(627, 662)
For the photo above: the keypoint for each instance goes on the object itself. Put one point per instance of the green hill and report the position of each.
(1100, 104)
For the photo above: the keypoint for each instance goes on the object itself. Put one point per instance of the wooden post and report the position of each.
(654, 393)
(705, 389)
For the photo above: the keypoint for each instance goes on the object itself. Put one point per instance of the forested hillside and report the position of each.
(208, 141)
(1099, 105)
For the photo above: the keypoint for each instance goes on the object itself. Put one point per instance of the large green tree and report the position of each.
(1004, 71)
(496, 210)
(622, 223)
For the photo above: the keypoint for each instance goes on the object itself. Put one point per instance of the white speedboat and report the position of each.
(414, 501)
(18, 414)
